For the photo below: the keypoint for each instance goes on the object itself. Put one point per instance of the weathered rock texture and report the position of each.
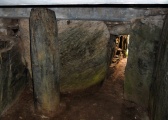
(144, 38)
(25, 38)
(45, 60)
(119, 28)
(83, 54)
(89, 13)
(13, 71)
(159, 88)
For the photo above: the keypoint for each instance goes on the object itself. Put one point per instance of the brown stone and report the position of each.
(45, 60)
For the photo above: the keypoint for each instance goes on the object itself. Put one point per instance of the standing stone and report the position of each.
(84, 51)
(144, 37)
(159, 87)
(45, 60)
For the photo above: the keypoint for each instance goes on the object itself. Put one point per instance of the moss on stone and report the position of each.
(83, 54)
(83, 80)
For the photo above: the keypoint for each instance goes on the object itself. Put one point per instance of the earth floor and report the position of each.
(105, 103)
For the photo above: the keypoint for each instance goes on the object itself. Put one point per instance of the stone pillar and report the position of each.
(45, 60)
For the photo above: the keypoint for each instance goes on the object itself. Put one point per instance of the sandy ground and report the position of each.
(105, 103)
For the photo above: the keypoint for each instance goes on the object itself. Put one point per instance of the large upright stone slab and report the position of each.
(83, 54)
(45, 59)
(144, 38)
(159, 88)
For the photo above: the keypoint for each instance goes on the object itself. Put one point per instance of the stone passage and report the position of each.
(45, 60)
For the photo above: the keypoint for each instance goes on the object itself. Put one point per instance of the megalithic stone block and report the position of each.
(45, 59)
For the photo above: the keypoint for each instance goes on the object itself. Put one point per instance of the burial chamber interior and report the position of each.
(85, 54)
(86, 51)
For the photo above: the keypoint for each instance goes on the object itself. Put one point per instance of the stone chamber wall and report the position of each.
(147, 68)
(13, 70)
(144, 37)
(145, 34)
(85, 51)
(159, 87)
(83, 56)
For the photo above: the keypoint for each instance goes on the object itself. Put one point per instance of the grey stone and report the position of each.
(144, 37)
(83, 54)
(89, 13)
(25, 39)
(159, 87)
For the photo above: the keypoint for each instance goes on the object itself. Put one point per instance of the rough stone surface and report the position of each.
(120, 29)
(13, 71)
(25, 39)
(45, 60)
(144, 38)
(79, 47)
(83, 54)
(89, 13)
(159, 88)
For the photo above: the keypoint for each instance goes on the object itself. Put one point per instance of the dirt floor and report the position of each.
(106, 103)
